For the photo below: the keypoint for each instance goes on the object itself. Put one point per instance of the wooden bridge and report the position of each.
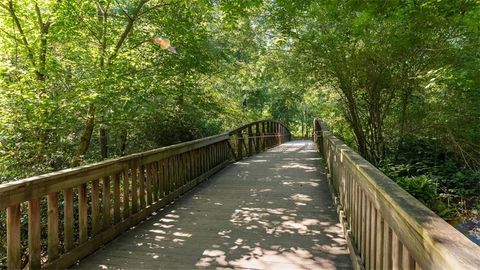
(268, 203)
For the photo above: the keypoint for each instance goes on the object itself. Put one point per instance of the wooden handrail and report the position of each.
(114, 195)
(388, 227)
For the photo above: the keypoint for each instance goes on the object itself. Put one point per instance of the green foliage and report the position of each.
(397, 80)
(421, 187)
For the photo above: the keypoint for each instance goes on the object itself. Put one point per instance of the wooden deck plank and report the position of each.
(270, 211)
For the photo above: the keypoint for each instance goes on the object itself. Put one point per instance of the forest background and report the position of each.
(397, 80)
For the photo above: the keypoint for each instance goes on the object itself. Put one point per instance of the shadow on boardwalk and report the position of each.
(270, 211)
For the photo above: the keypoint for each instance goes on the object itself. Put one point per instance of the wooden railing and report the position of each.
(97, 202)
(387, 228)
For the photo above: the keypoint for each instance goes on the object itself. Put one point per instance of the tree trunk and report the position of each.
(123, 143)
(85, 137)
(103, 142)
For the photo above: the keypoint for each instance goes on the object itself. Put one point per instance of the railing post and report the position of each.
(14, 255)
(269, 133)
(279, 138)
(250, 140)
(239, 145)
(273, 133)
(264, 140)
(34, 219)
(257, 138)
(282, 133)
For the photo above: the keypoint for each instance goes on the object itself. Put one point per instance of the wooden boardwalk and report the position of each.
(270, 211)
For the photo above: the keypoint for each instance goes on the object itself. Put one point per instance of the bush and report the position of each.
(421, 187)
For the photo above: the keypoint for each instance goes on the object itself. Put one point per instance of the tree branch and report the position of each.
(157, 6)
(24, 40)
(42, 57)
(128, 28)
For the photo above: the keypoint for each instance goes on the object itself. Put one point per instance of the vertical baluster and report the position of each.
(352, 202)
(141, 190)
(204, 160)
(191, 157)
(373, 236)
(184, 169)
(14, 254)
(68, 219)
(180, 170)
(280, 138)
(34, 233)
(387, 246)
(82, 213)
(186, 165)
(359, 217)
(239, 145)
(148, 183)
(219, 152)
(134, 189)
(199, 161)
(271, 133)
(160, 179)
(226, 153)
(126, 194)
(116, 198)
(96, 206)
(209, 157)
(363, 230)
(347, 195)
(216, 154)
(156, 189)
(397, 253)
(354, 211)
(168, 171)
(250, 140)
(257, 138)
(163, 178)
(106, 203)
(368, 234)
(408, 263)
(170, 174)
(174, 173)
(195, 163)
(380, 242)
(263, 137)
(353, 224)
(53, 240)
(344, 192)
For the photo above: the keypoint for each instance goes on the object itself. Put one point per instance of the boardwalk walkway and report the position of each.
(270, 211)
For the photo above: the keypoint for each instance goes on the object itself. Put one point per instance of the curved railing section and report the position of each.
(387, 227)
(257, 136)
(97, 202)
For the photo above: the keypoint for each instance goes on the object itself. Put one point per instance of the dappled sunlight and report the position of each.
(254, 215)
(299, 166)
(259, 161)
(313, 183)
